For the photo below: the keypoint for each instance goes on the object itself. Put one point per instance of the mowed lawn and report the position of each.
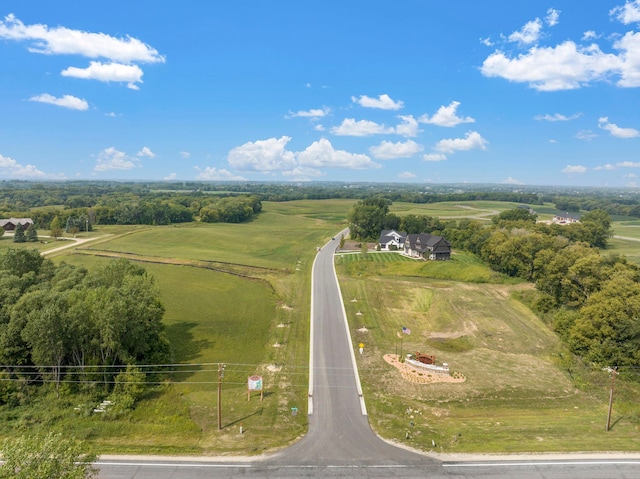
(516, 396)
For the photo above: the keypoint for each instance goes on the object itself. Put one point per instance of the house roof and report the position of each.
(387, 235)
(16, 221)
(573, 216)
(425, 242)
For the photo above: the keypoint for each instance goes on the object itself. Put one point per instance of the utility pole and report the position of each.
(220, 376)
(613, 382)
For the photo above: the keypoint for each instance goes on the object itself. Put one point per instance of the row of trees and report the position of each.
(132, 210)
(64, 321)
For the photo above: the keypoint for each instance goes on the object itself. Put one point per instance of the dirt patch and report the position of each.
(350, 245)
(411, 374)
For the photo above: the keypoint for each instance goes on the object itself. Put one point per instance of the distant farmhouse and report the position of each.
(565, 219)
(420, 245)
(12, 223)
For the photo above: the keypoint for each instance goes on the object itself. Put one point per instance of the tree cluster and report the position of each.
(233, 209)
(64, 322)
(591, 299)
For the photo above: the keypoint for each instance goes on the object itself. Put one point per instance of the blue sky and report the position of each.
(522, 93)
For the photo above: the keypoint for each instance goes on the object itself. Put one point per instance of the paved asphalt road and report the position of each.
(340, 442)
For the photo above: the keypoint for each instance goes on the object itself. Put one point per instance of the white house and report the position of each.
(391, 240)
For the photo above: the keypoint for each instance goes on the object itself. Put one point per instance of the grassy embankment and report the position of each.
(518, 396)
(212, 315)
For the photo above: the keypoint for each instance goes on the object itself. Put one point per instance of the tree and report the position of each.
(607, 331)
(598, 226)
(55, 227)
(32, 233)
(21, 261)
(515, 214)
(366, 218)
(50, 456)
(19, 236)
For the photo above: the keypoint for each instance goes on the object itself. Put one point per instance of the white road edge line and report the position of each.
(311, 327)
(506, 463)
(363, 407)
(170, 464)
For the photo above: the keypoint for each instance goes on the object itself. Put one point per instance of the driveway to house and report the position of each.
(74, 242)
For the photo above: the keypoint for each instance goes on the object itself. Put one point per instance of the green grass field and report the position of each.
(516, 396)
(254, 326)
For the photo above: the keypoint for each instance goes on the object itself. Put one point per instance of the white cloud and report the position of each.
(446, 116)
(112, 159)
(318, 127)
(434, 157)
(322, 154)
(408, 127)
(66, 101)
(629, 46)
(263, 155)
(170, 177)
(557, 117)
(215, 174)
(563, 67)
(472, 141)
(388, 150)
(108, 72)
(528, 34)
(10, 168)
(146, 152)
(406, 175)
(617, 131)
(65, 41)
(574, 169)
(313, 113)
(351, 127)
(586, 135)
(628, 13)
(486, 42)
(628, 164)
(553, 17)
(589, 35)
(512, 181)
(185, 154)
(608, 167)
(383, 102)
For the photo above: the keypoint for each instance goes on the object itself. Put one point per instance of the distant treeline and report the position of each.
(163, 203)
(112, 203)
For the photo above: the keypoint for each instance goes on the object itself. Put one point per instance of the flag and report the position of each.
(406, 330)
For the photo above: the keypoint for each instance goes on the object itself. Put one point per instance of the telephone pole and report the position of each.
(613, 382)
(220, 376)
